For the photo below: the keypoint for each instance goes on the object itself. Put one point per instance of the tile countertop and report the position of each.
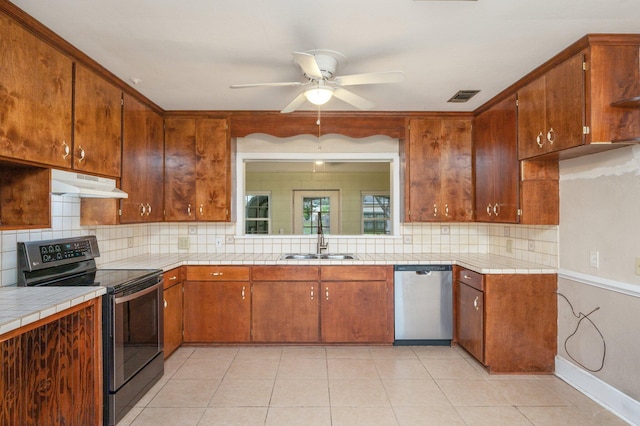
(481, 263)
(20, 306)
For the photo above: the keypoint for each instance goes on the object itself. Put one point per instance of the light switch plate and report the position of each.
(509, 245)
(637, 265)
(594, 259)
(183, 243)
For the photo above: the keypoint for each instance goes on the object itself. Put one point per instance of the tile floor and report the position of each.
(355, 385)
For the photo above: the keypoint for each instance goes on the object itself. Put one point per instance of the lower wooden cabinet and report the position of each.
(51, 370)
(173, 309)
(217, 304)
(508, 321)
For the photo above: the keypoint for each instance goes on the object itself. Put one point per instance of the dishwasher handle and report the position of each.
(423, 272)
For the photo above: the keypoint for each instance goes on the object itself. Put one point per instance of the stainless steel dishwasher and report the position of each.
(423, 304)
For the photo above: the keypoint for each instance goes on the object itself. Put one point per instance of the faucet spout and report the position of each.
(322, 243)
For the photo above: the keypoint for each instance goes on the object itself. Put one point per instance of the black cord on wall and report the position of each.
(581, 317)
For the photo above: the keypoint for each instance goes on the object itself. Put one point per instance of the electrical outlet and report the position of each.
(444, 230)
(193, 230)
(229, 239)
(130, 242)
(507, 231)
(183, 243)
(219, 242)
(509, 246)
(407, 239)
(532, 245)
(594, 259)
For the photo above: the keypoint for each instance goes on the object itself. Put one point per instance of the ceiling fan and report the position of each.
(319, 67)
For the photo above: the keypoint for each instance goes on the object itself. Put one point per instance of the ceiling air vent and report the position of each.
(463, 95)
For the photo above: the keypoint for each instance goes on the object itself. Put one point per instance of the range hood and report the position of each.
(80, 185)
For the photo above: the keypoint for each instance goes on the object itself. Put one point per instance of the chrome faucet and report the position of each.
(322, 243)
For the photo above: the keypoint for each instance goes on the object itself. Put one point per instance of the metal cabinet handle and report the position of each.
(496, 209)
(551, 136)
(82, 153)
(216, 274)
(539, 139)
(66, 150)
(148, 209)
(466, 277)
(311, 292)
(201, 209)
(489, 209)
(475, 303)
(142, 209)
(435, 209)
(173, 278)
(165, 303)
(243, 288)
(326, 293)
(446, 209)
(189, 209)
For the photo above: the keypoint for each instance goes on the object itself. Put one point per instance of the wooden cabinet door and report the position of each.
(496, 163)
(217, 311)
(470, 320)
(35, 98)
(354, 312)
(173, 312)
(440, 170)
(285, 312)
(212, 170)
(531, 119)
(142, 163)
(180, 169)
(97, 138)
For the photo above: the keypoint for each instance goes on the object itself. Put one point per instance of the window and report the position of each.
(307, 204)
(257, 218)
(376, 213)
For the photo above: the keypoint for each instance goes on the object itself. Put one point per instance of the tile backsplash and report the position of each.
(537, 244)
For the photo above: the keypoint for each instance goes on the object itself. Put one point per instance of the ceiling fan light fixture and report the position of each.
(318, 95)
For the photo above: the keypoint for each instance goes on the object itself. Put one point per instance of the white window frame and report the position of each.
(244, 210)
(362, 218)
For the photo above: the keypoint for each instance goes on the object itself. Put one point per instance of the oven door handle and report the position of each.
(124, 299)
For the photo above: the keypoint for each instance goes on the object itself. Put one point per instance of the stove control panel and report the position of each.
(69, 250)
(38, 255)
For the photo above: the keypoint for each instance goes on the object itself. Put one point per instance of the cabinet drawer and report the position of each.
(173, 277)
(470, 278)
(218, 273)
(285, 273)
(355, 273)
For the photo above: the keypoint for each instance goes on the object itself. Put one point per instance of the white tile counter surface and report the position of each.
(20, 306)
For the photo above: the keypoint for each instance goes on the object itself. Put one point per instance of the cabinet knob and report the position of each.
(551, 136)
(475, 303)
(539, 139)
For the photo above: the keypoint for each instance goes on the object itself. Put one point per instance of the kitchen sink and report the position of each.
(311, 256)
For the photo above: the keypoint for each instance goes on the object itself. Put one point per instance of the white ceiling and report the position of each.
(188, 53)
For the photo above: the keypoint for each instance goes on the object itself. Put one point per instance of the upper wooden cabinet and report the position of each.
(197, 169)
(439, 170)
(572, 109)
(496, 163)
(142, 163)
(97, 137)
(35, 98)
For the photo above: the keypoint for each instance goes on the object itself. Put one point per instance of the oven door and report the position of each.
(137, 332)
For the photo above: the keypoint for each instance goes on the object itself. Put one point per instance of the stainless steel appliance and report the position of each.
(132, 323)
(423, 296)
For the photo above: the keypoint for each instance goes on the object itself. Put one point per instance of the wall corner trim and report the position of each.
(620, 404)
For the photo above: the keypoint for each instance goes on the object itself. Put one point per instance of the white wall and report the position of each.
(600, 212)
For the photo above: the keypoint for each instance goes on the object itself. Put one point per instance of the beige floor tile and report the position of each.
(172, 365)
(185, 393)
(153, 416)
(302, 368)
(234, 416)
(392, 352)
(356, 352)
(567, 391)
(304, 352)
(298, 416)
(224, 352)
(182, 352)
(253, 368)
(492, 416)
(262, 352)
(300, 393)
(363, 416)
(471, 393)
(357, 393)
(450, 369)
(414, 392)
(528, 392)
(144, 401)
(401, 368)
(446, 352)
(243, 393)
(428, 416)
(202, 369)
(352, 369)
(130, 416)
(570, 416)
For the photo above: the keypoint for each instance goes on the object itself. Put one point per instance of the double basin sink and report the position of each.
(312, 256)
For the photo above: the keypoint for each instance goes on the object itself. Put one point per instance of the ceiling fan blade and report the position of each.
(294, 104)
(370, 78)
(308, 64)
(353, 99)
(283, 84)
